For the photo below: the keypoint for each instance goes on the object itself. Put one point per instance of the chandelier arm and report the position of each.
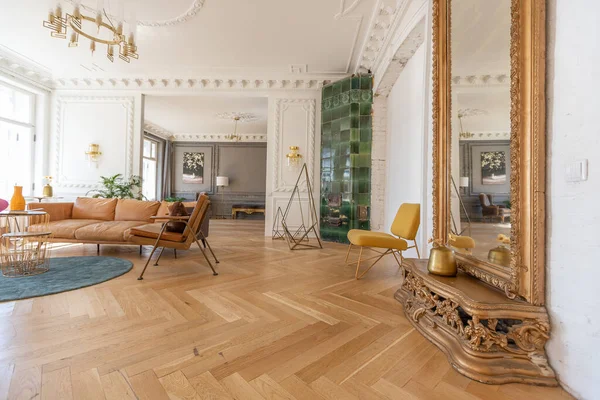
(93, 38)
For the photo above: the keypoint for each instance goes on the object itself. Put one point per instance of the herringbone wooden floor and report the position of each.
(274, 324)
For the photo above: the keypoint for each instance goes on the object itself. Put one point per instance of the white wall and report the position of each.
(573, 216)
(112, 119)
(405, 108)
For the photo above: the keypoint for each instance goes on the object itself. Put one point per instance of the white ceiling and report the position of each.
(197, 114)
(223, 38)
(480, 37)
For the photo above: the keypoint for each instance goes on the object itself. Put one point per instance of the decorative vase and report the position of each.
(500, 256)
(3, 205)
(442, 261)
(47, 191)
(17, 202)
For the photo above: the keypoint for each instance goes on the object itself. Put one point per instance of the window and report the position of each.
(150, 169)
(17, 135)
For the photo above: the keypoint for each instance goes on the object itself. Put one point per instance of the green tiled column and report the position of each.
(346, 157)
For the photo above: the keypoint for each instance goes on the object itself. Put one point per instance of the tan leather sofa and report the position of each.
(100, 221)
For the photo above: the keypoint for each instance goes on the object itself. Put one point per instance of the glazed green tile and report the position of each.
(365, 135)
(365, 121)
(327, 115)
(356, 82)
(364, 173)
(345, 110)
(354, 121)
(346, 85)
(327, 91)
(345, 123)
(337, 88)
(335, 126)
(365, 109)
(354, 147)
(365, 147)
(345, 135)
(363, 187)
(355, 134)
(366, 82)
(354, 109)
(326, 129)
(336, 113)
(354, 160)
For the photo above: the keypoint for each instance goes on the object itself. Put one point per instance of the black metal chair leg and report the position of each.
(159, 256)
(206, 258)
(175, 253)
(203, 242)
(211, 250)
(140, 250)
(147, 262)
(98, 249)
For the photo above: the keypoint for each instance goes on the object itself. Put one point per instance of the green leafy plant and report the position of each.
(507, 203)
(118, 187)
(174, 199)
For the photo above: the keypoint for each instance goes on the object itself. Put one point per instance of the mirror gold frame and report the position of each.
(525, 278)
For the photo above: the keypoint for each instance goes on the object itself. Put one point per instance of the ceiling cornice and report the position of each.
(157, 130)
(19, 67)
(190, 83)
(482, 80)
(219, 137)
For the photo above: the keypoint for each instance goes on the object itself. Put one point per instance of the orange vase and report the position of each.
(17, 202)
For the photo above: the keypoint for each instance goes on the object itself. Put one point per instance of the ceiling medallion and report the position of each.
(190, 13)
(238, 116)
(107, 33)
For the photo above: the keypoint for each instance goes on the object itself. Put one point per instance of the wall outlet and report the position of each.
(577, 171)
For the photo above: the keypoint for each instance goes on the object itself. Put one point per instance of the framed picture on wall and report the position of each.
(193, 167)
(493, 167)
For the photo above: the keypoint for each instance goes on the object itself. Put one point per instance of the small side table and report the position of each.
(24, 254)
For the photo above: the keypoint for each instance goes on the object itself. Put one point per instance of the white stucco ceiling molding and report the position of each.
(393, 64)
(187, 15)
(385, 17)
(190, 83)
(488, 136)
(219, 137)
(482, 80)
(157, 130)
(17, 66)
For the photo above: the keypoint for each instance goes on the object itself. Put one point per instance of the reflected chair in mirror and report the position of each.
(490, 210)
(462, 244)
(157, 235)
(404, 229)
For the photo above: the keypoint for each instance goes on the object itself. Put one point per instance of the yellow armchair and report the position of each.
(404, 229)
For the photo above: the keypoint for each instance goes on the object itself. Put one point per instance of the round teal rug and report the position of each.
(66, 273)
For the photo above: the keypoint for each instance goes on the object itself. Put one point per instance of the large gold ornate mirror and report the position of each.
(489, 152)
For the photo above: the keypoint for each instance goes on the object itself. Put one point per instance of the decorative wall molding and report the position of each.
(346, 9)
(18, 66)
(240, 116)
(190, 13)
(157, 130)
(482, 80)
(61, 104)
(281, 106)
(189, 83)
(218, 137)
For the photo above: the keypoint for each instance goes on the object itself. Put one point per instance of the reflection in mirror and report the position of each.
(480, 160)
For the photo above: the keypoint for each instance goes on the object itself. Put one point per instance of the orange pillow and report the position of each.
(90, 208)
(135, 210)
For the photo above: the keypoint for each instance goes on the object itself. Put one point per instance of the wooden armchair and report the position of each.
(491, 210)
(157, 235)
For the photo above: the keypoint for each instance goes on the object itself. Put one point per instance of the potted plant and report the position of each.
(118, 187)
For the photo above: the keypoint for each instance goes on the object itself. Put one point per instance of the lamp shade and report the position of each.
(222, 181)
(464, 181)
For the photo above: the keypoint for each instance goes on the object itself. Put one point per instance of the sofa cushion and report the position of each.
(56, 211)
(64, 229)
(109, 231)
(135, 210)
(99, 209)
(152, 230)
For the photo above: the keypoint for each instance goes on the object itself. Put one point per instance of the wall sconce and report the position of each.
(93, 153)
(294, 158)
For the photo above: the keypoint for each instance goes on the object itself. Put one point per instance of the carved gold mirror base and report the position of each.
(486, 336)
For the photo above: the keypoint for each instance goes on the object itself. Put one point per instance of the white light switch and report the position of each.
(577, 171)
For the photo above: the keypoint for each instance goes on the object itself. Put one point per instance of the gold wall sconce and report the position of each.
(294, 158)
(93, 153)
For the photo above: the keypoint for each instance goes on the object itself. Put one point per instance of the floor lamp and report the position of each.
(222, 182)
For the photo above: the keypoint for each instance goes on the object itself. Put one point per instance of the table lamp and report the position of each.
(222, 181)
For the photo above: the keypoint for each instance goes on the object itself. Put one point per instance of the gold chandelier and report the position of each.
(234, 137)
(60, 24)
